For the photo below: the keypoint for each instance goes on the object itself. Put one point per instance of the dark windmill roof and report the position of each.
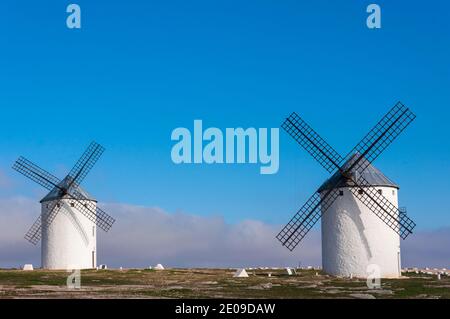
(55, 193)
(372, 175)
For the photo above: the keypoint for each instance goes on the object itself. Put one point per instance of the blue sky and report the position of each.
(136, 71)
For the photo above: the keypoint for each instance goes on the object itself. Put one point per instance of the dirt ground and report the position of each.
(212, 283)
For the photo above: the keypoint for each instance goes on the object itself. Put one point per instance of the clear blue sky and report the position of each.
(138, 69)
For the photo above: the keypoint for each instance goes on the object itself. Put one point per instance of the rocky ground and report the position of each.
(213, 283)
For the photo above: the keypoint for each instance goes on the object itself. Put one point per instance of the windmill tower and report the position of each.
(69, 215)
(352, 236)
(69, 228)
(361, 222)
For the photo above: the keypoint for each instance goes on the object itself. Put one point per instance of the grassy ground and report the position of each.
(211, 283)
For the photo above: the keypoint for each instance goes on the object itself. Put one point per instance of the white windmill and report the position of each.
(69, 216)
(354, 238)
(361, 222)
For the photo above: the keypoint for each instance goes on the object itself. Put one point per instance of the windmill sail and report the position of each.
(68, 188)
(346, 169)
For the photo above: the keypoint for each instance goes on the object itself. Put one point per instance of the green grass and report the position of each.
(210, 283)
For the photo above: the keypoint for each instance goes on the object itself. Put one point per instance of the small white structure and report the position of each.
(70, 240)
(27, 267)
(103, 267)
(291, 271)
(353, 237)
(241, 273)
(159, 267)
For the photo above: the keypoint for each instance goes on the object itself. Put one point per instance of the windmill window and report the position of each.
(380, 191)
(341, 193)
(393, 192)
(360, 191)
(72, 204)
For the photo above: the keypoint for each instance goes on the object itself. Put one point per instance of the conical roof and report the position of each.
(371, 174)
(55, 194)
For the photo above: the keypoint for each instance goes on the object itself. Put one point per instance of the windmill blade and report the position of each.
(302, 222)
(382, 208)
(381, 136)
(376, 202)
(105, 221)
(304, 135)
(93, 213)
(35, 232)
(370, 147)
(85, 163)
(36, 174)
(405, 220)
(96, 214)
(33, 235)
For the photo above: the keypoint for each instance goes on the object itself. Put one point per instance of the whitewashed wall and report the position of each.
(353, 237)
(70, 241)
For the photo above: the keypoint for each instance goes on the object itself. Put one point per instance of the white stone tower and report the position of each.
(353, 237)
(70, 240)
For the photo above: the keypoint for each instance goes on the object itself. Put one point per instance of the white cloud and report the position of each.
(427, 249)
(144, 236)
(16, 216)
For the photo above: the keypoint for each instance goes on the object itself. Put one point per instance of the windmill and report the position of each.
(69, 215)
(361, 221)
